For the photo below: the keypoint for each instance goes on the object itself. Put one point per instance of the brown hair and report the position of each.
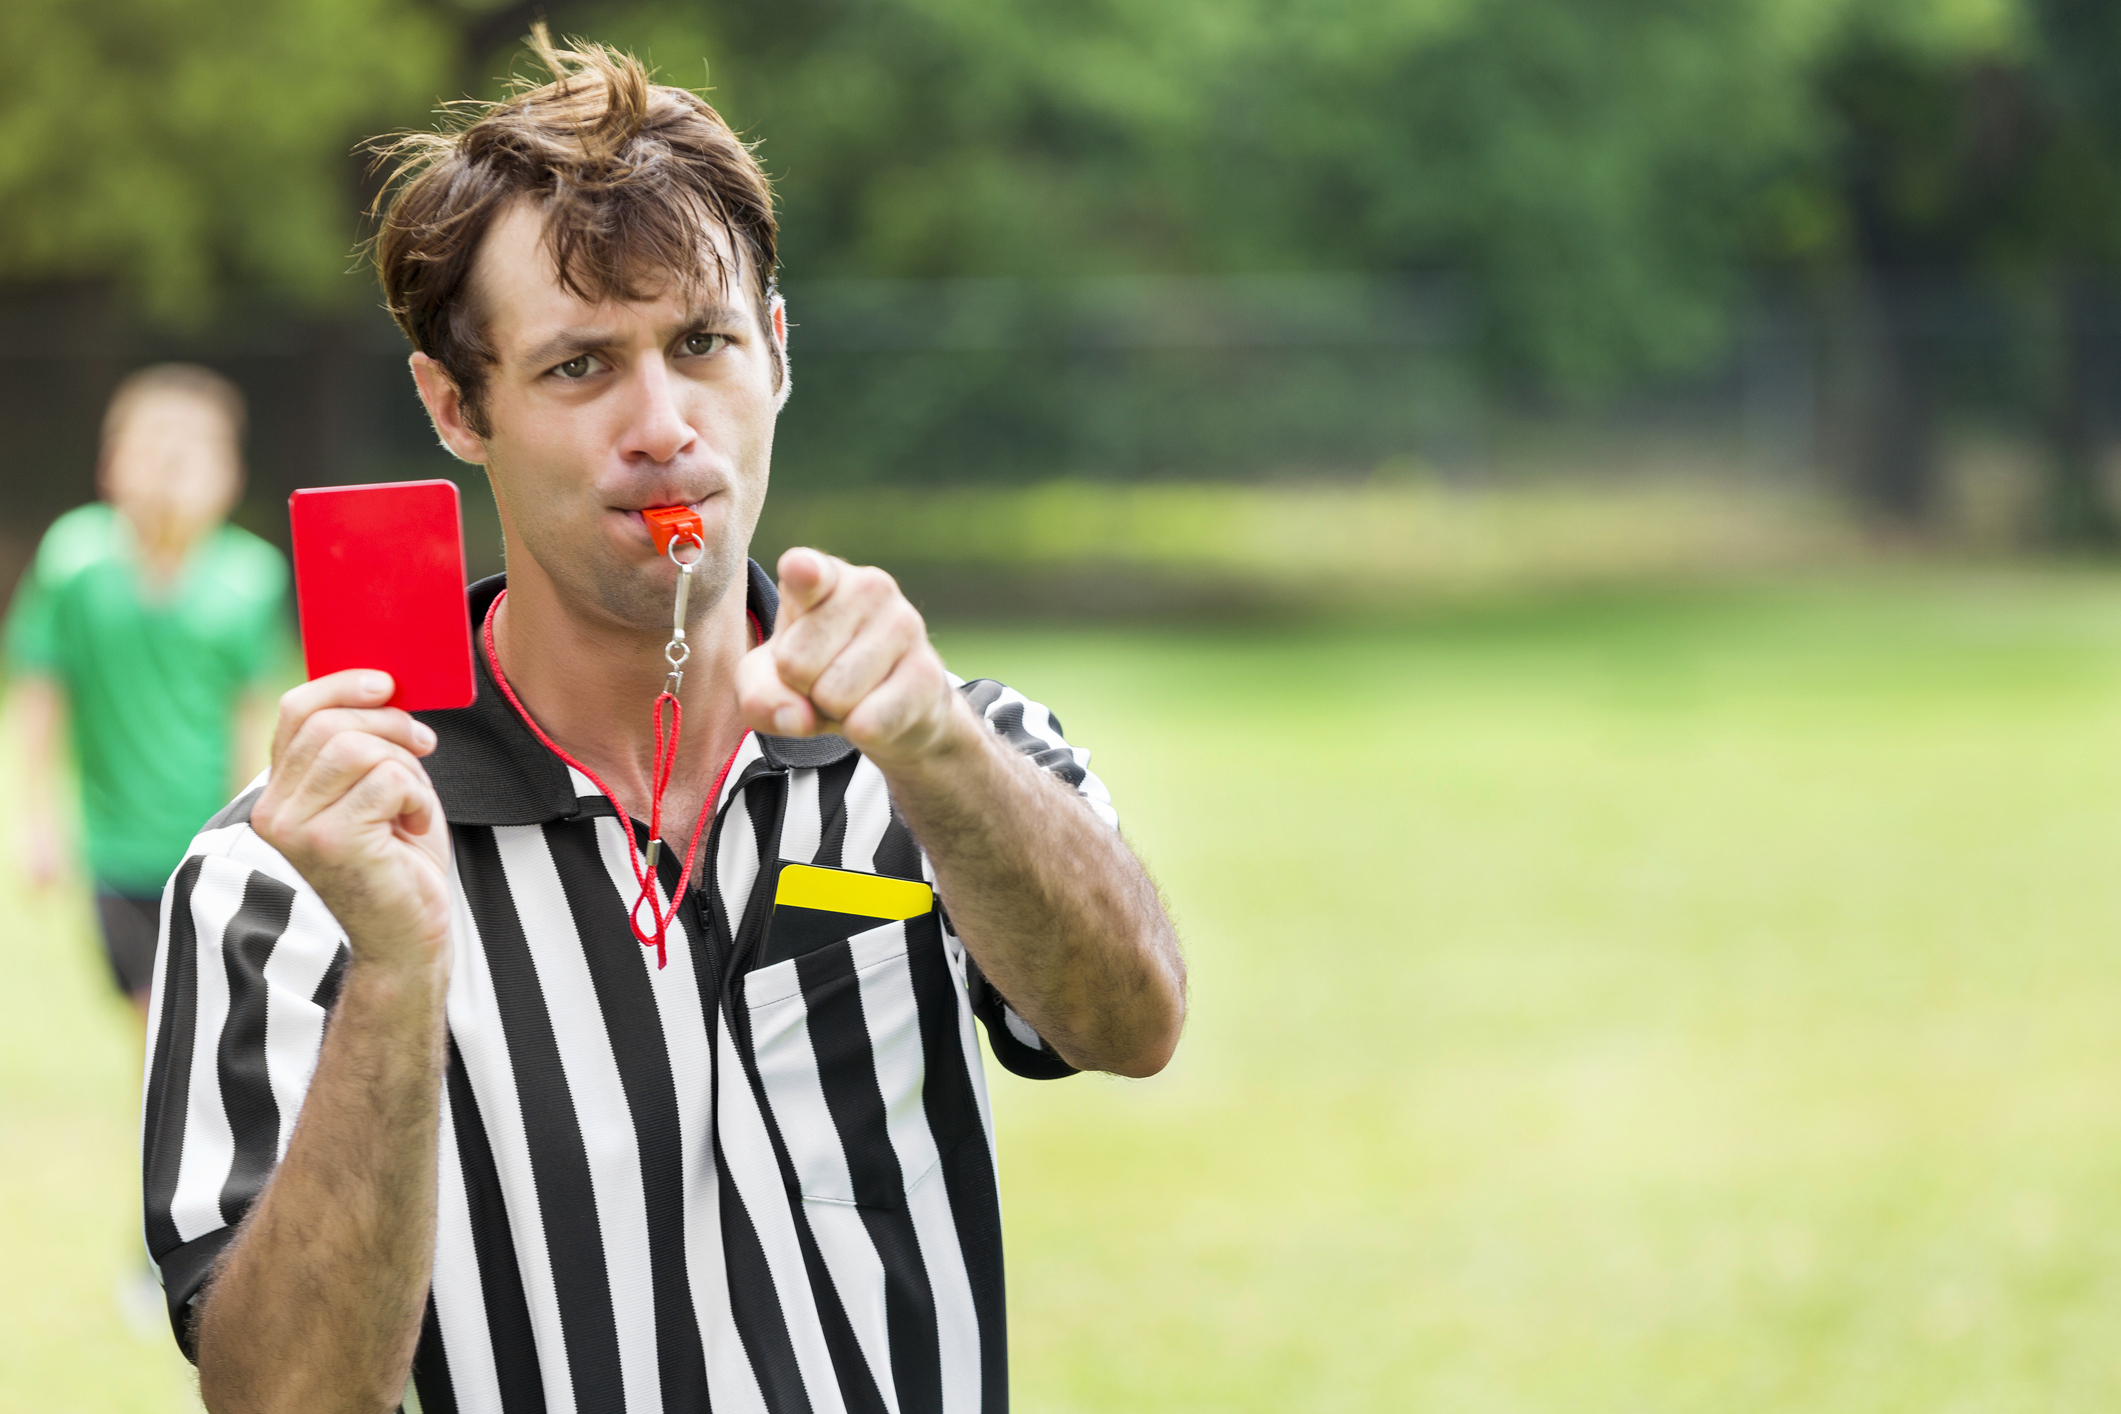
(632, 177)
(185, 380)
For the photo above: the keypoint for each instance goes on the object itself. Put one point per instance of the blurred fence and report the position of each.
(1127, 378)
(330, 402)
(1001, 382)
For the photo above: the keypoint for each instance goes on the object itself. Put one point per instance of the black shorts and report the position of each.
(130, 923)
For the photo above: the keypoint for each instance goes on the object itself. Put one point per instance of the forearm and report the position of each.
(318, 1302)
(1053, 905)
(1058, 912)
(42, 824)
(40, 719)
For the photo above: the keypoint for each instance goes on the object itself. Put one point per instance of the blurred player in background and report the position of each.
(141, 631)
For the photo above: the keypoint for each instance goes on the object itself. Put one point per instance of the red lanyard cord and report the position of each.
(666, 755)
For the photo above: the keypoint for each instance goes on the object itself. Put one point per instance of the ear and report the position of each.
(445, 408)
(780, 349)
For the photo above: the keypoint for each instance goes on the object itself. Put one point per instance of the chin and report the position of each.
(720, 571)
(633, 592)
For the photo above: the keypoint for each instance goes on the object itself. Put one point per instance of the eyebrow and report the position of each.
(572, 343)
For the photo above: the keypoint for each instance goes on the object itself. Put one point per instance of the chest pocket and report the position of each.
(815, 907)
(836, 1012)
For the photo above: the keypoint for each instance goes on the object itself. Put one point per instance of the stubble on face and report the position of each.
(590, 573)
(564, 460)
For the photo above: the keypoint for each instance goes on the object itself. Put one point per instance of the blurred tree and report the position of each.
(1609, 179)
(1587, 169)
(1978, 147)
(2075, 223)
(1926, 145)
(1591, 167)
(947, 137)
(180, 151)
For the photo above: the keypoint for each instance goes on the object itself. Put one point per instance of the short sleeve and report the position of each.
(73, 542)
(1035, 731)
(254, 575)
(74, 545)
(248, 968)
(31, 634)
(270, 648)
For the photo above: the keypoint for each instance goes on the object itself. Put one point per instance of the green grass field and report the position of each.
(1692, 1001)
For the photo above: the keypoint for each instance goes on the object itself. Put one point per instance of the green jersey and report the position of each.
(151, 680)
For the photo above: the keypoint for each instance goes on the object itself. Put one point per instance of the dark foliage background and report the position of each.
(1205, 239)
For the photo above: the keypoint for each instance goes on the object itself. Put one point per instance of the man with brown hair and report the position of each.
(421, 1104)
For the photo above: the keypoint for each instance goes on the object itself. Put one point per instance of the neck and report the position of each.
(590, 684)
(160, 549)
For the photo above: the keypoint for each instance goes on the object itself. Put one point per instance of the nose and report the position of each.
(656, 428)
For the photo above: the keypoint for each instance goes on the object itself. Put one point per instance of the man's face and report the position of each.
(597, 412)
(172, 468)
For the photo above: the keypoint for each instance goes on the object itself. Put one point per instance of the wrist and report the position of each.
(396, 982)
(955, 735)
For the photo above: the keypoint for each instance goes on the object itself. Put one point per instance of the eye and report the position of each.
(700, 345)
(577, 367)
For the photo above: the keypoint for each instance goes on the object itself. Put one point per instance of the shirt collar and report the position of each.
(489, 770)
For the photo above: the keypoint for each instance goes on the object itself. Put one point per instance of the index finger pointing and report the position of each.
(808, 578)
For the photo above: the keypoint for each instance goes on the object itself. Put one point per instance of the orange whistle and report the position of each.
(668, 523)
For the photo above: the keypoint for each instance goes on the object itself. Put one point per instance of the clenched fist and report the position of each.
(850, 655)
(351, 807)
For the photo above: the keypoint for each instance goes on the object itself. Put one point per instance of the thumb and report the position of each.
(808, 578)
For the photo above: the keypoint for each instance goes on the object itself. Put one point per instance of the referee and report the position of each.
(426, 1123)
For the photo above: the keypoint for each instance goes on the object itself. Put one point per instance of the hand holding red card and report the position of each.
(379, 582)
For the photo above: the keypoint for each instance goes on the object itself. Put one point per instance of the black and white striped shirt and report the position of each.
(759, 1178)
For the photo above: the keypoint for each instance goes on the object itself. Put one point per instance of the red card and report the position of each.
(379, 581)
